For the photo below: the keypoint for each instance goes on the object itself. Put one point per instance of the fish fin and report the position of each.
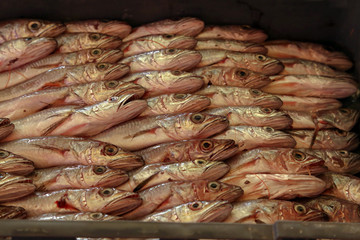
(143, 183)
(52, 85)
(51, 66)
(59, 150)
(151, 131)
(53, 126)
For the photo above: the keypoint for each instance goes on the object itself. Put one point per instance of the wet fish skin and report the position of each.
(254, 116)
(82, 216)
(232, 76)
(171, 194)
(65, 151)
(199, 211)
(13, 187)
(6, 127)
(23, 28)
(10, 212)
(189, 150)
(148, 131)
(231, 45)
(340, 161)
(15, 164)
(308, 104)
(269, 211)
(187, 26)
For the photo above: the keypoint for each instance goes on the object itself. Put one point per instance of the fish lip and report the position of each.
(222, 168)
(127, 203)
(184, 43)
(110, 42)
(353, 142)
(256, 36)
(13, 212)
(136, 91)
(19, 166)
(273, 67)
(314, 216)
(227, 151)
(231, 195)
(216, 124)
(257, 82)
(113, 180)
(279, 122)
(256, 48)
(188, 58)
(282, 139)
(314, 164)
(126, 162)
(199, 102)
(112, 55)
(58, 28)
(269, 101)
(117, 71)
(217, 213)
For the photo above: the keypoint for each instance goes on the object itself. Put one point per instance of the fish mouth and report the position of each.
(218, 124)
(111, 56)
(123, 204)
(353, 142)
(41, 47)
(280, 139)
(279, 122)
(273, 67)
(135, 90)
(127, 162)
(17, 166)
(110, 42)
(314, 215)
(195, 103)
(314, 166)
(339, 61)
(269, 101)
(185, 60)
(183, 43)
(186, 84)
(255, 48)
(231, 195)
(12, 212)
(256, 36)
(257, 82)
(229, 149)
(113, 180)
(218, 212)
(12, 191)
(53, 30)
(6, 127)
(215, 171)
(116, 72)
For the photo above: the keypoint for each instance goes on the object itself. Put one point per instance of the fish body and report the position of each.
(340, 161)
(15, 164)
(55, 151)
(82, 216)
(231, 45)
(13, 187)
(6, 127)
(225, 96)
(308, 104)
(232, 76)
(147, 131)
(9, 212)
(252, 61)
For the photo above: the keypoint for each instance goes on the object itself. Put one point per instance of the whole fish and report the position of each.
(110, 27)
(226, 96)
(18, 52)
(82, 216)
(340, 161)
(343, 186)
(13, 187)
(249, 137)
(175, 103)
(6, 127)
(253, 116)
(24, 73)
(163, 59)
(234, 32)
(64, 151)
(78, 121)
(308, 51)
(252, 61)
(308, 104)
(198, 211)
(343, 119)
(80, 95)
(311, 86)
(72, 42)
(65, 76)
(104, 200)
(187, 26)
(77, 177)
(9, 212)
(147, 131)
(232, 76)
(15, 164)
(276, 160)
(157, 173)
(337, 210)
(165, 82)
(325, 139)
(189, 150)
(23, 28)
(157, 42)
(231, 45)
(269, 211)
(276, 186)
(171, 194)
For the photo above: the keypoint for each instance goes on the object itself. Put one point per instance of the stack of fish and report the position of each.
(173, 121)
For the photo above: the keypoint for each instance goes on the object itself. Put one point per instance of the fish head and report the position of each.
(265, 64)
(263, 99)
(15, 164)
(177, 59)
(209, 170)
(34, 46)
(104, 71)
(99, 40)
(245, 78)
(102, 176)
(13, 187)
(213, 149)
(182, 102)
(329, 56)
(103, 55)
(251, 47)
(343, 118)
(12, 212)
(274, 118)
(6, 127)
(349, 140)
(250, 34)
(304, 162)
(95, 216)
(300, 212)
(274, 138)
(178, 41)
(342, 161)
(189, 26)
(216, 191)
(43, 28)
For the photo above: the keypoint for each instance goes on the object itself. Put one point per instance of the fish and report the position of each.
(82, 216)
(157, 42)
(312, 86)
(231, 45)
(165, 82)
(187, 26)
(337, 210)
(276, 186)
(18, 52)
(252, 61)
(15, 164)
(157, 173)
(171, 194)
(308, 104)
(175, 103)
(104, 200)
(249, 137)
(24, 28)
(189, 150)
(308, 51)
(269, 211)
(198, 211)
(110, 27)
(233, 32)
(227, 96)
(325, 139)
(341, 185)
(78, 121)
(9, 212)
(163, 59)
(276, 160)
(52, 151)
(6, 127)
(30, 70)
(232, 76)
(254, 116)
(13, 187)
(66, 76)
(77, 177)
(72, 42)
(148, 131)
(79, 94)
(342, 118)
(340, 161)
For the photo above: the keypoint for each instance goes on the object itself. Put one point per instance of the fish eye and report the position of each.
(266, 110)
(96, 216)
(28, 39)
(2, 175)
(107, 192)
(35, 25)
(301, 209)
(94, 36)
(170, 51)
(247, 182)
(199, 162)
(245, 26)
(197, 118)
(102, 66)
(261, 57)
(180, 96)
(110, 150)
(176, 72)
(269, 129)
(99, 169)
(96, 52)
(206, 145)
(344, 110)
(168, 36)
(344, 153)
(4, 154)
(195, 205)
(298, 156)
(241, 73)
(255, 92)
(111, 84)
(341, 133)
(214, 186)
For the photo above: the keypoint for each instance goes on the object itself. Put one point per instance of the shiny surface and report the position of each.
(15, 164)
(13, 187)
(231, 45)
(309, 104)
